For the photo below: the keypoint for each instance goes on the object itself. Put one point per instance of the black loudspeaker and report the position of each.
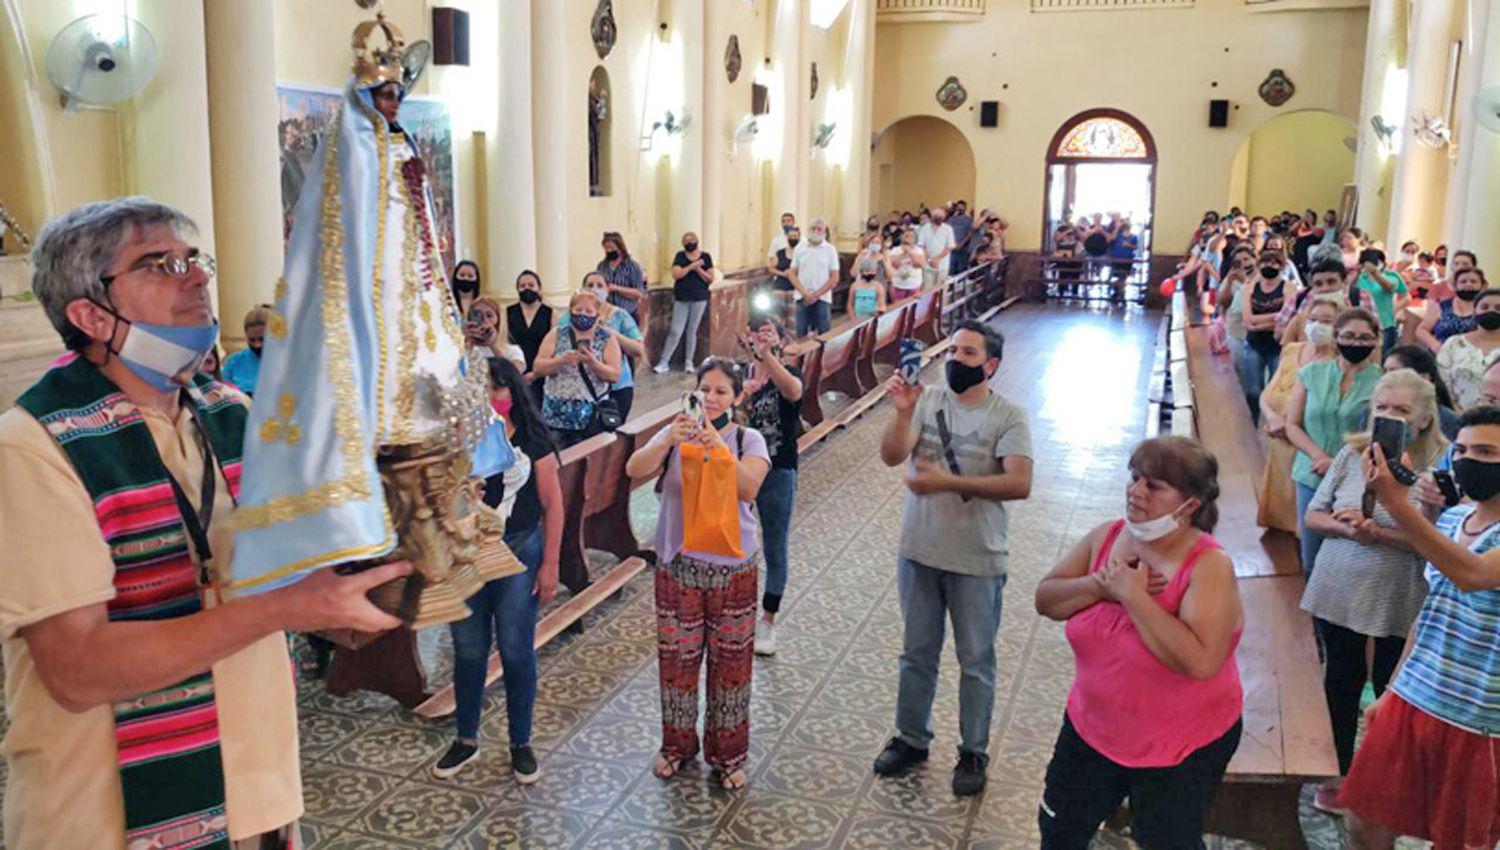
(760, 99)
(989, 113)
(1218, 113)
(450, 36)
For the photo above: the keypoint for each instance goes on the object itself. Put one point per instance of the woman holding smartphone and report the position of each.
(705, 600)
(484, 327)
(1368, 581)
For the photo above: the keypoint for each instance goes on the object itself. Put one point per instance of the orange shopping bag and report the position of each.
(710, 502)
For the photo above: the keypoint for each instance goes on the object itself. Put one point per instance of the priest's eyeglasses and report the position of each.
(174, 264)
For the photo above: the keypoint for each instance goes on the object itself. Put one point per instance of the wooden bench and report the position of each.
(925, 316)
(582, 471)
(1288, 738)
(882, 342)
(608, 528)
(832, 368)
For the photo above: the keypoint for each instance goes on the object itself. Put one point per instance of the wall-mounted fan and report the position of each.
(823, 135)
(1432, 131)
(1487, 108)
(673, 124)
(101, 59)
(748, 129)
(1386, 133)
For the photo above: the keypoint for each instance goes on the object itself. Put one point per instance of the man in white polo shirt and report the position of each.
(937, 242)
(814, 274)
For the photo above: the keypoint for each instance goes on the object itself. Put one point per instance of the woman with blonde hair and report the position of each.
(1368, 583)
(622, 326)
(579, 360)
(485, 327)
(1278, 492)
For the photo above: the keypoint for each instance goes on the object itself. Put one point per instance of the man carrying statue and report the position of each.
(161, 538)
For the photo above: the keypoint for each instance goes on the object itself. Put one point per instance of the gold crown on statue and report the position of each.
(377, 64)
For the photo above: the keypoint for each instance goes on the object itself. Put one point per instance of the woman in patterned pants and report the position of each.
(706, 601)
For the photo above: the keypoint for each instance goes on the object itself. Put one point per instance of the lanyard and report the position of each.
(196, 521)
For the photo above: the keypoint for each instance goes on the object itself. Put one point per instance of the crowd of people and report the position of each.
(1374, 384)
(1095, 248)
(1385, 461)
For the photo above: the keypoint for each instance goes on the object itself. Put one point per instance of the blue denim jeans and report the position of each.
(778, 495)
(973, 603)
(1257, 365)
(814, 316)
(1309, 542)
(505, 610)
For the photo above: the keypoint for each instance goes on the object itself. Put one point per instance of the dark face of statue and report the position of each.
(388, 101)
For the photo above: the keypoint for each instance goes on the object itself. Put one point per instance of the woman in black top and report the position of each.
(504, 611)
(773, 398)
(692, 269)
(528, 319)
(1262, 351)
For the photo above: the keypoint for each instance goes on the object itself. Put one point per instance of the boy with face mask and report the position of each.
(968, 451)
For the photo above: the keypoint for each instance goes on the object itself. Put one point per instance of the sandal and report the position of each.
(666, 768)
(734, 780)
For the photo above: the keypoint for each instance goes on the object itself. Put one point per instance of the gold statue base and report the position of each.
(453, 540)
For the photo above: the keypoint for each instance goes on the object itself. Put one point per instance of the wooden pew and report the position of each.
(607, 526)
(837, 353)
(1288, 738)
(925, 315)
(882, 342)
(581, 470)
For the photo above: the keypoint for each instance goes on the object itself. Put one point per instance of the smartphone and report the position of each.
(1390, 435)
(1444, 480)
(692, 405)
(911, 360)
(475, 318)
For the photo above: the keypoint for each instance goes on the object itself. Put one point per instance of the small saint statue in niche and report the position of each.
(598, 113)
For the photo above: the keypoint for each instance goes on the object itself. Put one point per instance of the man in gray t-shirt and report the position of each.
(968, 451)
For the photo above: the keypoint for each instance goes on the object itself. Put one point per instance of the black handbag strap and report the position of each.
(584, 374)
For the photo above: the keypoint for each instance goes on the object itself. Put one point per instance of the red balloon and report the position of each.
(1169, 287)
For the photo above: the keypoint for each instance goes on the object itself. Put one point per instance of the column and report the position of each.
(802, 135)
(164, 129)
(788, 101)
(687, 151)
(1421, 172)
(549, 116)
(859, 81)
(1468, 134)
(714, 133)
(242, 119)
(510, 179)
(1481, 204)
(1384, 48)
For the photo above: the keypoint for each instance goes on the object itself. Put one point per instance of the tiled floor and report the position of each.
(821, 708)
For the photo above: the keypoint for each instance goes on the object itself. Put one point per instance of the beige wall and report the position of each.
(1158, 65)
(1297, 161)
(921, 160)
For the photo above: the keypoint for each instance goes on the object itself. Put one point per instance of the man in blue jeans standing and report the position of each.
(968, 452)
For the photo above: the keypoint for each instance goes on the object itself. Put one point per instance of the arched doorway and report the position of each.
(1294, 161)
(1100, 162)
(921, 159)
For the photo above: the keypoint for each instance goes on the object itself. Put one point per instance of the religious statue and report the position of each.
(598, 112)
(358, 449)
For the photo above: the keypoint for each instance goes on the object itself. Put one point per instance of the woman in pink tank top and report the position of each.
(1153, 615)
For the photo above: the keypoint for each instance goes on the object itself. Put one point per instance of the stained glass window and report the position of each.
(1102, 138)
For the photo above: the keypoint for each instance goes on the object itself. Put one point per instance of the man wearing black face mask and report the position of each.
(968, 452)
(1426, 766)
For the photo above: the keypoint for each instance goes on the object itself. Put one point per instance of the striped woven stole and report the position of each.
(171, 772)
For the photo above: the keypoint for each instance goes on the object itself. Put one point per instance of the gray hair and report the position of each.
(76, 248)
(818, 222)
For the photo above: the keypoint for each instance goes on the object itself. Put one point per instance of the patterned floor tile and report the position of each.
(333, 794)
(814, 774)
(318, 732)
(617, 738)
(838, 731)
(392, 749)
(524, 827)
(625, 836)
(878, 831)
(550, 725)
(577, 785)
(770, 820)
(925, 792)
(1008, 809)
(427, 815)
(689, 801)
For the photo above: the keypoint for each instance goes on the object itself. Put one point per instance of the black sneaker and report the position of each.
(454, 760)
(523, 765)
(969, 774)
(898, 757)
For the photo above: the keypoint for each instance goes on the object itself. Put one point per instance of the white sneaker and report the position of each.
(660, 368)
(765, 637)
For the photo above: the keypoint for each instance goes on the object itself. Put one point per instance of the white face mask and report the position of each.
(1319, 333)
(816, 237)
(1154, 529)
